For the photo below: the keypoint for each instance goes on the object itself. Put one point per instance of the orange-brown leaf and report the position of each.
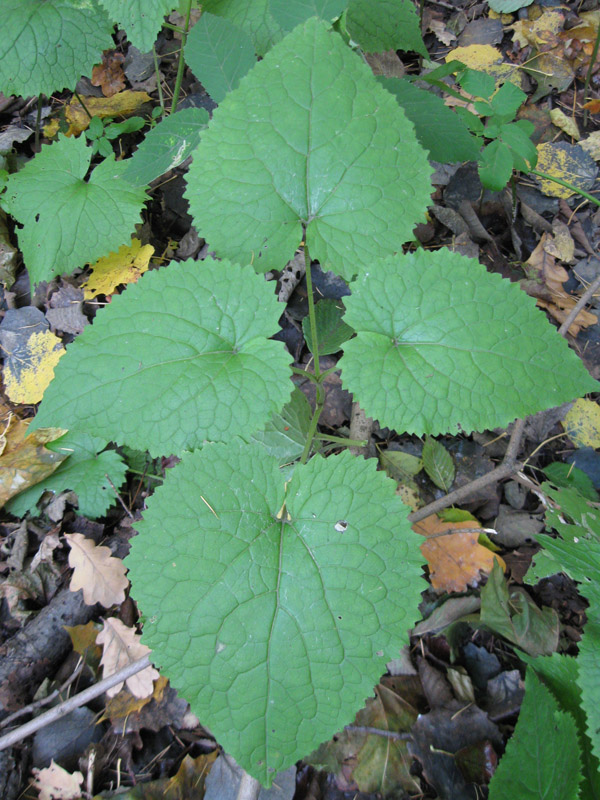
(25, 463)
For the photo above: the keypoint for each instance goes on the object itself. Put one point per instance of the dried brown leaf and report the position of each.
(55, 783)
(100, 575)
(122, 647)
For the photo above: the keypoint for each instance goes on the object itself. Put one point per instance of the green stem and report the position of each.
(161, 98)
(82, 104)
(567, 185)
(312, 428)
(305, 374)
(311, 313)
(588, 76)
(341, 440)
(181, 62)
(38, 121)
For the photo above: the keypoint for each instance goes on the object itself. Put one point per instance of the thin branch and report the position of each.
(378, 732)
(583, 300)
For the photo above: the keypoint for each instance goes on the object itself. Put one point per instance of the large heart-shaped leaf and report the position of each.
(290, 13)
(66, 220)
(254, 16)
(324, 147)
(141, 19)
(182, 356)
(379, 25)
(48, 44)
(274, 621)
(443, 345)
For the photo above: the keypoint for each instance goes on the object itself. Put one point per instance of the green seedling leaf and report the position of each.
(84, 472)
(507, 100)
(66, 220)
(352, 172)
(438, 129)
(332, 331)
(165, 381)
(567, 476)
(166, 146)
(290, 13)
(253, 16)
(495, 165)
(437, 347)
(141, 19)
(116, 129)
(400, 466)
(523, 150)
(273, 608)
(514, 615)
(438, 464)
(477, 83)
(542, 760)
(378, 25)
(285, 433)
(49, 44)
(508, 6)
(219, 54)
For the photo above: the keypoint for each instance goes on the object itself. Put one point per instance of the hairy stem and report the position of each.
(312, 429)
(311, 312)
(181, 62)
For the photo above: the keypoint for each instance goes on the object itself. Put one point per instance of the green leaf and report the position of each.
(332, 331)
(166, 146)
(514, 615)
(323, 146)
(443, 344)
(285, 433)
(141, 19)
(66, 220)
(477, 83)
(290, 13)
(84, 472)
(219, 54)
(438, 129)
(274, 621)
(438, 464)
(47, 45)
(508, 6)
(181, 357)
(524, 152)
(495, 165)
(400, 466)
(378, 25)
(542, 760)
(507, 100)
(253, 16)
(567, 476)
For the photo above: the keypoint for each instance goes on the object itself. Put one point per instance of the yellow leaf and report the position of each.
(123, 104)
(122, 646)
(124, 266)
(28, 373)
(591, 145)
(28, 462)
(566, 124)
(13, 429)
(582, 423)
(486, 58)
(100, 575)
(564, 161)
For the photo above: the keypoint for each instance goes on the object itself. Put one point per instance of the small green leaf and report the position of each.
(400, 466)
(438, 129)
(66, 220)
(131, 125)
(274, 621)
(351, 172)
(443, 344)
(542, 760)
(141, 19)
(566, 476)
(477, 83)
(84, 472)
(378, 25)
(47, 45)
(181, 357)
(290, 13)
(219, 54)
(286, 432)
(508, 6)
(495, 165)
(524, 152)
(332, 331)
(253, 16)
(507, 100)
(166, 146)
(438, 464)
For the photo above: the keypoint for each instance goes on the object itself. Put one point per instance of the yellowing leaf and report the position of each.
(488, 59)
(28, 373)
(100, 575)
(455, 559)
(83, 639)
(123, 104)
(124, 266)
(591, 144)
(124, 703)
(582, 423)
(569, 163)
(566, 124)
(122, 646)
(55, 783)
(13, 429)
(28, 462)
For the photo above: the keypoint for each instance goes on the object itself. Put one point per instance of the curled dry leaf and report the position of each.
(122, 646)
(55, 783)
(100, 575)
(25, 461)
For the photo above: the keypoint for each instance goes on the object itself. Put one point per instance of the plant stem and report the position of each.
(181, 62)
(588, 76)
(161, 98)
(341, 440)
(38, 120)
(312, 429)
(567, 185)
(82, 104)
(311, 312)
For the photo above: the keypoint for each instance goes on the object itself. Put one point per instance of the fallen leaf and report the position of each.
(99, 574)
(569, 163)
(441, 32)
(13, 429)
(55, 783)
(65, 310)
(188, 784)
(83, 639)
(582, 423)
(124, 703)
(566, 124)
(28, 462)
(488, 59)
(109, 75)
(455, 559)
(593, 106)
(122, 646)
(123, 104)
(127, 265)
(591, 144)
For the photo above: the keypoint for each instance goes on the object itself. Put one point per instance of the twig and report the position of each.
(119, 498)
(9, 739)
(378, 732)
(583, 300)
